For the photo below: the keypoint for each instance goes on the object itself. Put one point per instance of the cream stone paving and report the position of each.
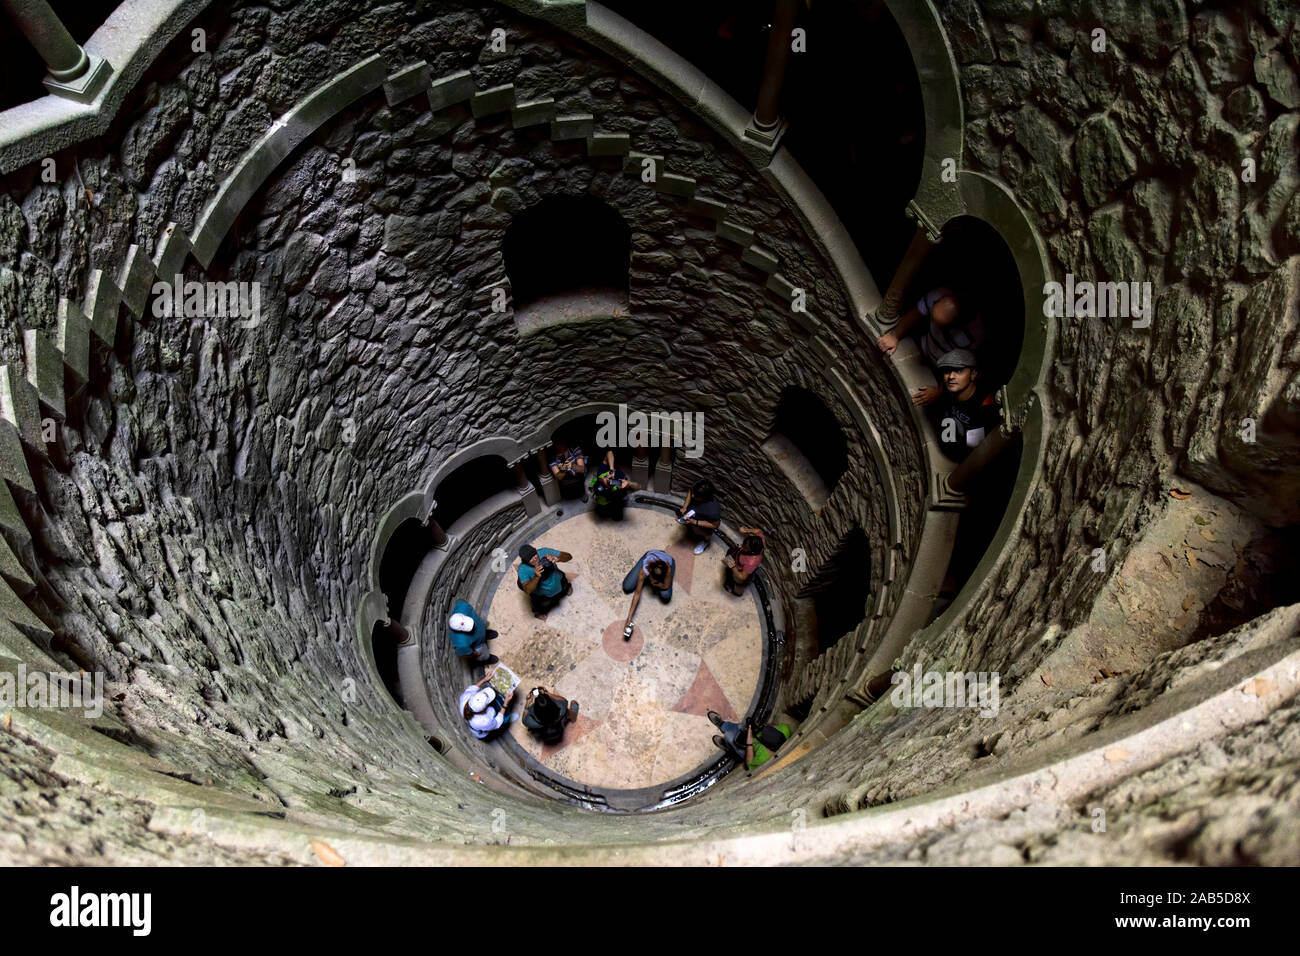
(642, 701)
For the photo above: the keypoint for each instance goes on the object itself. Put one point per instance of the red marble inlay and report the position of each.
(683, 552)
(705, 695)
(618, 649)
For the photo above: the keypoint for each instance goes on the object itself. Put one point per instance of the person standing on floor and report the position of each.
(469, 634)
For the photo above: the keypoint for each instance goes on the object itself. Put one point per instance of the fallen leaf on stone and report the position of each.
(1165, 558)
(1259, 687)
(327, 854)
(9, 720)
(1115, 754)
(1190, 559)
(1179, 493)
(1189, 600)
(90, 197)
(1180, 622)
(1208, 535)
(1046, 678)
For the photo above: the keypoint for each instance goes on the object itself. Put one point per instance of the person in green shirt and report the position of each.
(743, 742)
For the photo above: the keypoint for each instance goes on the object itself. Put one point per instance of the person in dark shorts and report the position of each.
(701, 512)
(655, 568)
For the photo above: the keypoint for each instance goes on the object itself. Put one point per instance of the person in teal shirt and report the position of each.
(469, 634)
(540, 579)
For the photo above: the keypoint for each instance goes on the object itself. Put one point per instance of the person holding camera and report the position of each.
(484, 708)
(548, 714)
(655, 568)
(701, 513)
(743, 561)
(540, 577)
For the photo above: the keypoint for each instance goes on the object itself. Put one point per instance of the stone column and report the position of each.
(550, 489)
(436, 531)
(922, 242)
(664, 470)
(532, 506)
(73, 72)
(641, 468)
(766, 126)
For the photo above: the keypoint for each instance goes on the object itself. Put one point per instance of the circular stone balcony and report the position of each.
(642, 737)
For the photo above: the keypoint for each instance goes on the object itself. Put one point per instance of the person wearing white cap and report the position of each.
(484, 709)
(469, 634)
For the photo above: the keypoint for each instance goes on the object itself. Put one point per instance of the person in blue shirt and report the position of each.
(540, 578)
(469, 634)
(655, 568)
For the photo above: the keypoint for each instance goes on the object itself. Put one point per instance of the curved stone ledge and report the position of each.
(129, 41)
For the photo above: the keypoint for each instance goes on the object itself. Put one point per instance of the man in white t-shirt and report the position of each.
(484, 709)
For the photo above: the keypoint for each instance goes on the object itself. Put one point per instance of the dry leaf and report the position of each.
(9, 720)
(1190, 558)
(1115, 754)
(1181, 622)
(1259, 687)
(1165, 558)
(1046, 678)
(1189, 600)
(1179, 493)
(90, 197)
(327, 854)
(1208, 535)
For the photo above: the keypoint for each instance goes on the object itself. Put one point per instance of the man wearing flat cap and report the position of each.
(965, 413)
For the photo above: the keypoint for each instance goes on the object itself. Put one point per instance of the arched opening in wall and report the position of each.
(840, 589)
(567, 257)
(975, 262)
(384, 644)
(857, 123)
(407, 547)
(22, 71)
(471, 484)
(853, 100)
(808, 445)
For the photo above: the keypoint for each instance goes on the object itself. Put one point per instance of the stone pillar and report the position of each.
(920, 246)
(550, 488)
(664, 470)
(403, 636)
(641, 468)
(766, 126)
(436, 531)
(73, 72)
(532, 506)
